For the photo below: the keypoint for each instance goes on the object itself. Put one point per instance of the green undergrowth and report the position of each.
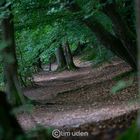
(96, 55)
(123, 81)
(40, 132)
(131, 134)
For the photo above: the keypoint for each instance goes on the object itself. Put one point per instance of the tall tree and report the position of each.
(138, 34)
(106, 38)
(137, 3)
(68, 56)
(122, 30)
(61, 61)
(9, 58)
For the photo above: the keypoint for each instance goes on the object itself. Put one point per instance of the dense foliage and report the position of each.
(105, 27)
(42, 26)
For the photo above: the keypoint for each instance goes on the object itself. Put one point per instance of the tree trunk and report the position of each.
(61, 61)
(110, 41)
(9, 124)
(106, 38)
(138, 34)
(127, 37)
(39, 64)
(68, 56)
(129, 15)
(50, 64)
(79, 49)
(10, 61)
(137, 3)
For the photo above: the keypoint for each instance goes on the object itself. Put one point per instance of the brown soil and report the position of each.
(82, 100)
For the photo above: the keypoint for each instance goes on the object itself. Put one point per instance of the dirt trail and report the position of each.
(80, 97)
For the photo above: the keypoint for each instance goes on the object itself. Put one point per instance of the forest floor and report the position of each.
(82, 100)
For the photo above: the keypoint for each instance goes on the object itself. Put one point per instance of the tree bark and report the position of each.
(110, 41)
(106, 38)
(39, 64)
(68, 56)
(9, 124)
(127, 37)
(61, 61)
(138, 33)
(137, 3)
(50, 64)
(10, 61)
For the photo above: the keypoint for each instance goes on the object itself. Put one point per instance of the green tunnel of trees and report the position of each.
(120, 38)
(34, 33)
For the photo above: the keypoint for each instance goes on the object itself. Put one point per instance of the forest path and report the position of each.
(80, 97)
